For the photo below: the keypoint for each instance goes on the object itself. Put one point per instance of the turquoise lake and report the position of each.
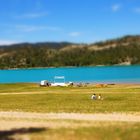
(100, 74)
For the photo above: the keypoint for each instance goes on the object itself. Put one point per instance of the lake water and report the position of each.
(102, 74)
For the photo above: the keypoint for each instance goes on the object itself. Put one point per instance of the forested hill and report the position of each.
(121, 51)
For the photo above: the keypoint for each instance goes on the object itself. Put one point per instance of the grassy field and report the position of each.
(123, 131)
(79, 130)
(32, 98)
(27, 97)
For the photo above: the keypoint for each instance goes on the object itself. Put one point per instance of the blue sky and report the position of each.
(84, 21)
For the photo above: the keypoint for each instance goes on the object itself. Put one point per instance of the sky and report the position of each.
(79, 21)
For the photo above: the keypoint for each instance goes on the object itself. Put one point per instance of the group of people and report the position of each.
(96, 97)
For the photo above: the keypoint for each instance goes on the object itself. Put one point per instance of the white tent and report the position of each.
(59, 81)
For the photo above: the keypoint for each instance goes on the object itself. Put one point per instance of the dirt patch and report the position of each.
(9, 120)
(133, 117)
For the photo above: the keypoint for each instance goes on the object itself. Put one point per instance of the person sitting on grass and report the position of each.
(94, 97)
(100, 97)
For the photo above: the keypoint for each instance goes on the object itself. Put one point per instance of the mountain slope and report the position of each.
(125, 50)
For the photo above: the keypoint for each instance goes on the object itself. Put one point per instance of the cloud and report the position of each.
(74, 34)
(29, 28)
(8, 42)
(32, 28)
(116, 7)
(32, 15)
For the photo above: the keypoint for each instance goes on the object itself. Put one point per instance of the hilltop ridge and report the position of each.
(120, 51)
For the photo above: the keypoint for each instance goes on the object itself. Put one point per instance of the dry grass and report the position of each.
(100, 122)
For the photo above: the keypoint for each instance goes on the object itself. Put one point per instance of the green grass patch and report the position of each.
(68, 99)
(32, 98)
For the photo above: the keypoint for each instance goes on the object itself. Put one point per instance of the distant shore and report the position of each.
(116, 65)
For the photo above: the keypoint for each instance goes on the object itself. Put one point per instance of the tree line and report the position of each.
(127, 49)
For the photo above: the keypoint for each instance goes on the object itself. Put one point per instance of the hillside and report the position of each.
(121, 51)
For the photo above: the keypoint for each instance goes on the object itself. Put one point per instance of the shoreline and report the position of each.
(115, 65)
(82, 83)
